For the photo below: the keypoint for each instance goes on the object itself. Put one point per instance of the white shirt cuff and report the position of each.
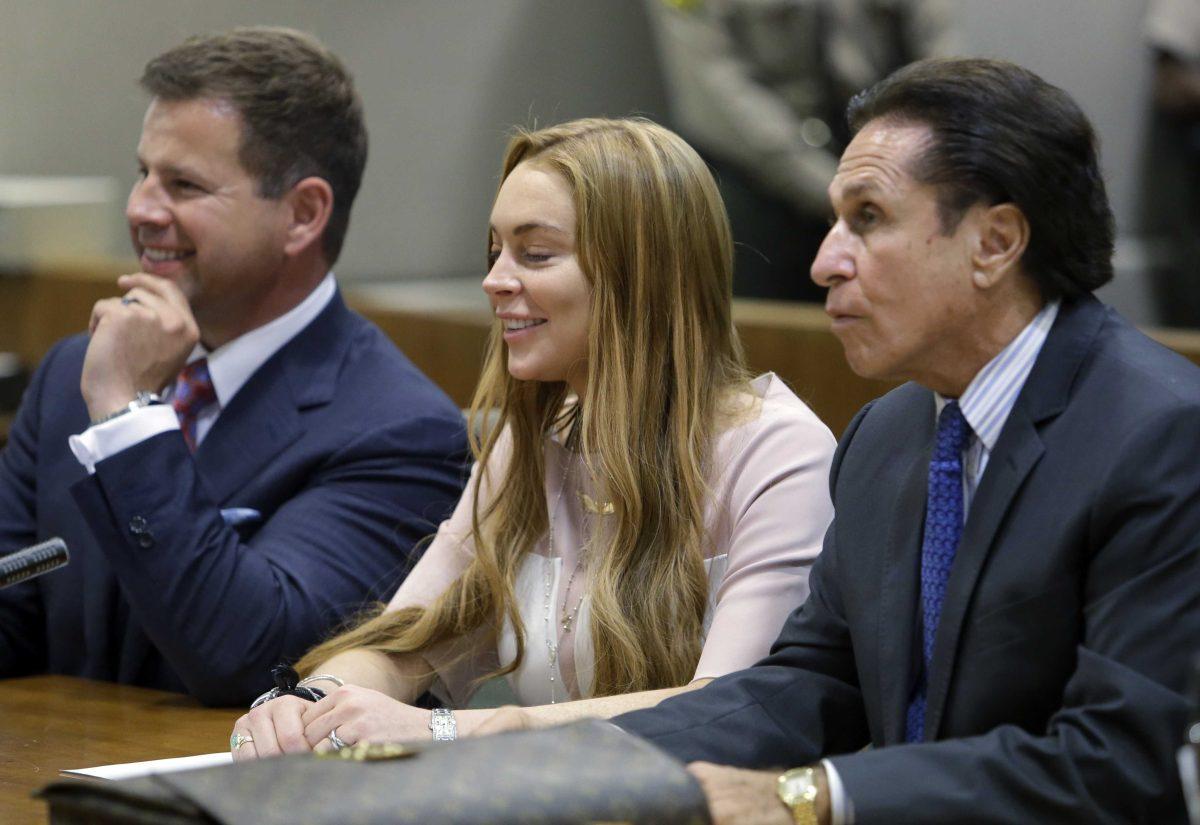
(100, 441)
(841, 809)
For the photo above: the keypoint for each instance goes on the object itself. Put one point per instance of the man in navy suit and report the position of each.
(235, 460)
(1001, 618)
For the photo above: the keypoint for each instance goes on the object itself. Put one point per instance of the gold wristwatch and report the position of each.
(797, 789)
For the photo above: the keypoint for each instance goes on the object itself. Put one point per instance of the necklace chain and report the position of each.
(567, 617)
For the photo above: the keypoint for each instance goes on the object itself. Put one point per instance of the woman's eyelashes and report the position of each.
(528, 256)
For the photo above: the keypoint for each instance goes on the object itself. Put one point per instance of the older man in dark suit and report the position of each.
(294, 457)
(1002, 615)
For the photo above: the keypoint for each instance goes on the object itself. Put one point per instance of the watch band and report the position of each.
(797, 789)
(443, 725)
(142, 399)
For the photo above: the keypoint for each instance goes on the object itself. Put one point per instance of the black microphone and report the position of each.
(1189, 754)
(33, 561)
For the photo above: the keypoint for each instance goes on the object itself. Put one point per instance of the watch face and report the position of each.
(797, 786)
(797, 790)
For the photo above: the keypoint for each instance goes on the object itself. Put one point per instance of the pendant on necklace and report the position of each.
(600, 508)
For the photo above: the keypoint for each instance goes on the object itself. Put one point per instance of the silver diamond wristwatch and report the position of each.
(142, 399)
(442, 723)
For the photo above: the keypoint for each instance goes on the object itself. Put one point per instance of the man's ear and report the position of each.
(1003, 235)
(310, 204)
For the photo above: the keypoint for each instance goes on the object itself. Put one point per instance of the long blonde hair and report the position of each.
(653, 240)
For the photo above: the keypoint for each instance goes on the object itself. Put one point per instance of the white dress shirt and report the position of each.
(985, 404)
(230, 367)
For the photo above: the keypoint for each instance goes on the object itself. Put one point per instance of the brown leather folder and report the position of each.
(584, 772)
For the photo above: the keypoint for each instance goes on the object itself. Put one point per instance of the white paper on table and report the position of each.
(131, 769)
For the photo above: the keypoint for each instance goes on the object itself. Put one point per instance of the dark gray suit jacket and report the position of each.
(1055, 691)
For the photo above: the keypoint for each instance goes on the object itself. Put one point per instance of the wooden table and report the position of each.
(48, 723)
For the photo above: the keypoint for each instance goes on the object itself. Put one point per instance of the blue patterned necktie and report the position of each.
(943, 529)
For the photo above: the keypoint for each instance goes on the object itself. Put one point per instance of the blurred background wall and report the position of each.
(443, 80)
(1095, 50)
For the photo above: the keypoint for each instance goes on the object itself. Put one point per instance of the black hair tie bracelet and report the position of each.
(288, 683)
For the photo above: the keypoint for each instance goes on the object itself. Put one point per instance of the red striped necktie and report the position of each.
(193, 393)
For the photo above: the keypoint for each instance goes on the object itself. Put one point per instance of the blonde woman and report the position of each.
(641, 516)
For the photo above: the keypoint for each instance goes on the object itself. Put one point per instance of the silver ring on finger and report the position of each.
(239, 739)
(337, 741)
(126, 300)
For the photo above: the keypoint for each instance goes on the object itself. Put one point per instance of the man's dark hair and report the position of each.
(1001, 134)
(301, 115)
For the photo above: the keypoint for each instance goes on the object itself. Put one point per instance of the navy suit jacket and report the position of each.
(1073, 607)
(346, 451)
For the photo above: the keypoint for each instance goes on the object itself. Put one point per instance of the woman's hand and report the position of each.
(360, 714)
(273, 728)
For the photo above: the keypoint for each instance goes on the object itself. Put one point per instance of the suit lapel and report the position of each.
(265, 415)
(900, 591)
(260, 421)
(1018, 449)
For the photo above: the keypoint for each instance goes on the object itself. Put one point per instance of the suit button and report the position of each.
(145, 540)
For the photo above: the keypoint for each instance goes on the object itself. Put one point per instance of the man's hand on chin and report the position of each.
(740, 796)
(139, 343)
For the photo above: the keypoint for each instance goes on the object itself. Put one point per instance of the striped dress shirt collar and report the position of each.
(990, 396)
